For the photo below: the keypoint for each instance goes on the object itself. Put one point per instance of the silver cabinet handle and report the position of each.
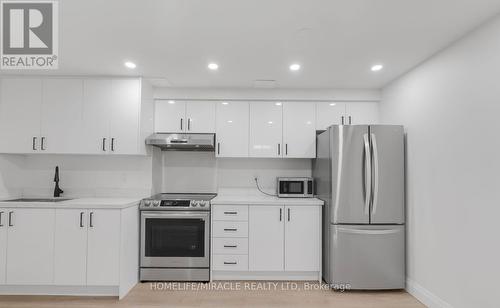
(279, 150)
(1, 225)
(112, 144)
(218, 148)
(230, 213)
(230, 263)
(104, 144)
(375, 172)
(281, 212)
(81, 219)
(288, 214)
(11, 224)
(350, 122)
(286, 148)
(91, 219)
(231, 229)
(367, 174)
(230, 246)
(342, 120)
(34, 143)
(42, 146)
(189, 123)
(181, 124)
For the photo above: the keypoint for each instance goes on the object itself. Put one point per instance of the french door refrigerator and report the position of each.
(359, 174)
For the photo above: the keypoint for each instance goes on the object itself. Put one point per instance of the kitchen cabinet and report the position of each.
(266, 133)
(61, 120)
(265, 238)
(301, 238)
(299, 130)
(174, 116)
(70, 256)
(346, 113)
(30, 246)
(103, 247)
(232, 129)
(20, 112)
(3, 243)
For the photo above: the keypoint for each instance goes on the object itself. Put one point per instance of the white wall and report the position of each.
(80, 175)
(450, 106)
(202, 172)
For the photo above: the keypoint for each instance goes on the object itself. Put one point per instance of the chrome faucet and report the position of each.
(57, 191)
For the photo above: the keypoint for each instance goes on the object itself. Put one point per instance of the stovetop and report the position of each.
(178, 202)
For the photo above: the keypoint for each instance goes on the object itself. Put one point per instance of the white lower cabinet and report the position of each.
(282, 242)
(3, 244)
(30, 246)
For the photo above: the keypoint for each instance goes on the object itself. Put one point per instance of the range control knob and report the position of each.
(202, 203)
(195, 203)
(156, 203)
(147, 202)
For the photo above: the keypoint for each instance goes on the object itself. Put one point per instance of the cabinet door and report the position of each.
(103, 254)
(3, 244)
(70, 255)
(200, 117)
(265, 238)
(302, 238)
(362, 113)
(20, 107)
(62, 102)
(329, 113)
(30, 247)
(232, 129)
(299, 130)
(125, 111)
(266, 129)
(170, 116)
(97, 98)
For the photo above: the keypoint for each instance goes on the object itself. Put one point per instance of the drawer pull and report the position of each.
(230, 246)
(230, 213)
(231, 229)
(230, 263)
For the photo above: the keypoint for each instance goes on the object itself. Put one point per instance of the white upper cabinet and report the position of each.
(200, 117)
(169, 116)
(20, 111)
(299, 129)
(362, 113)
(232, 129)
(266, 129)
(61, 115)
(329, 113)
(97, 97)
(124, 129)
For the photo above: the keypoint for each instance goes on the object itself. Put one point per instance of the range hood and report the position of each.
(182, 142)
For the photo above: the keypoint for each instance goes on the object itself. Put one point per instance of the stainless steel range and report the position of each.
(175, 237)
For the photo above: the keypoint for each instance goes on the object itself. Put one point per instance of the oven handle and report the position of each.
(186, 215)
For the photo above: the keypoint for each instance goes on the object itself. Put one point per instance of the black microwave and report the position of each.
(295, 187)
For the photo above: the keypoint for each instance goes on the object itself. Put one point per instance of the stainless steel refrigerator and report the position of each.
(359, 174)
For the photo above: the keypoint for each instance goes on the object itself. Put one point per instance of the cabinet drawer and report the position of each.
(230, 263)
(230, 246)
(230, 229)
(231, 212)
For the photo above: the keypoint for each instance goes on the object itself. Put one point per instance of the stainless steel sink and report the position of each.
(38, 200)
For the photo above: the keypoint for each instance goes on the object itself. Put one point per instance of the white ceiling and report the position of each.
(335, 41)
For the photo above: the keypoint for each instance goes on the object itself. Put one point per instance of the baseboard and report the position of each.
(425, 296)
(279, 276)
(58, 290)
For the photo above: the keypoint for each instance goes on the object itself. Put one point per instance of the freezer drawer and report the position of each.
(368, 257)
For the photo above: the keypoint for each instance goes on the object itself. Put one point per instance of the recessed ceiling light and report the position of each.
(225, 103)
(213, 66)
(295, 67)
(377, 67)
(171, 102)
(131, 65)
(230, 121)
(332, 104)
(278, 104)
(270, 122)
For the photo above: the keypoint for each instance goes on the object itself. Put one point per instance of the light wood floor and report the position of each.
(143, 296)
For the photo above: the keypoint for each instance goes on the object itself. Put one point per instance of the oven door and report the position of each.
(175, 239)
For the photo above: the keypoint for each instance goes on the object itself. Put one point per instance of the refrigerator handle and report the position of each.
(375, 172)
(367, 174)
(368, 231)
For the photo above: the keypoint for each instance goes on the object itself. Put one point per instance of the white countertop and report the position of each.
(77, 203)
(254, 197)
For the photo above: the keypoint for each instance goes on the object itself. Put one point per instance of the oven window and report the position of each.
(292, 187)
(171, 237)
